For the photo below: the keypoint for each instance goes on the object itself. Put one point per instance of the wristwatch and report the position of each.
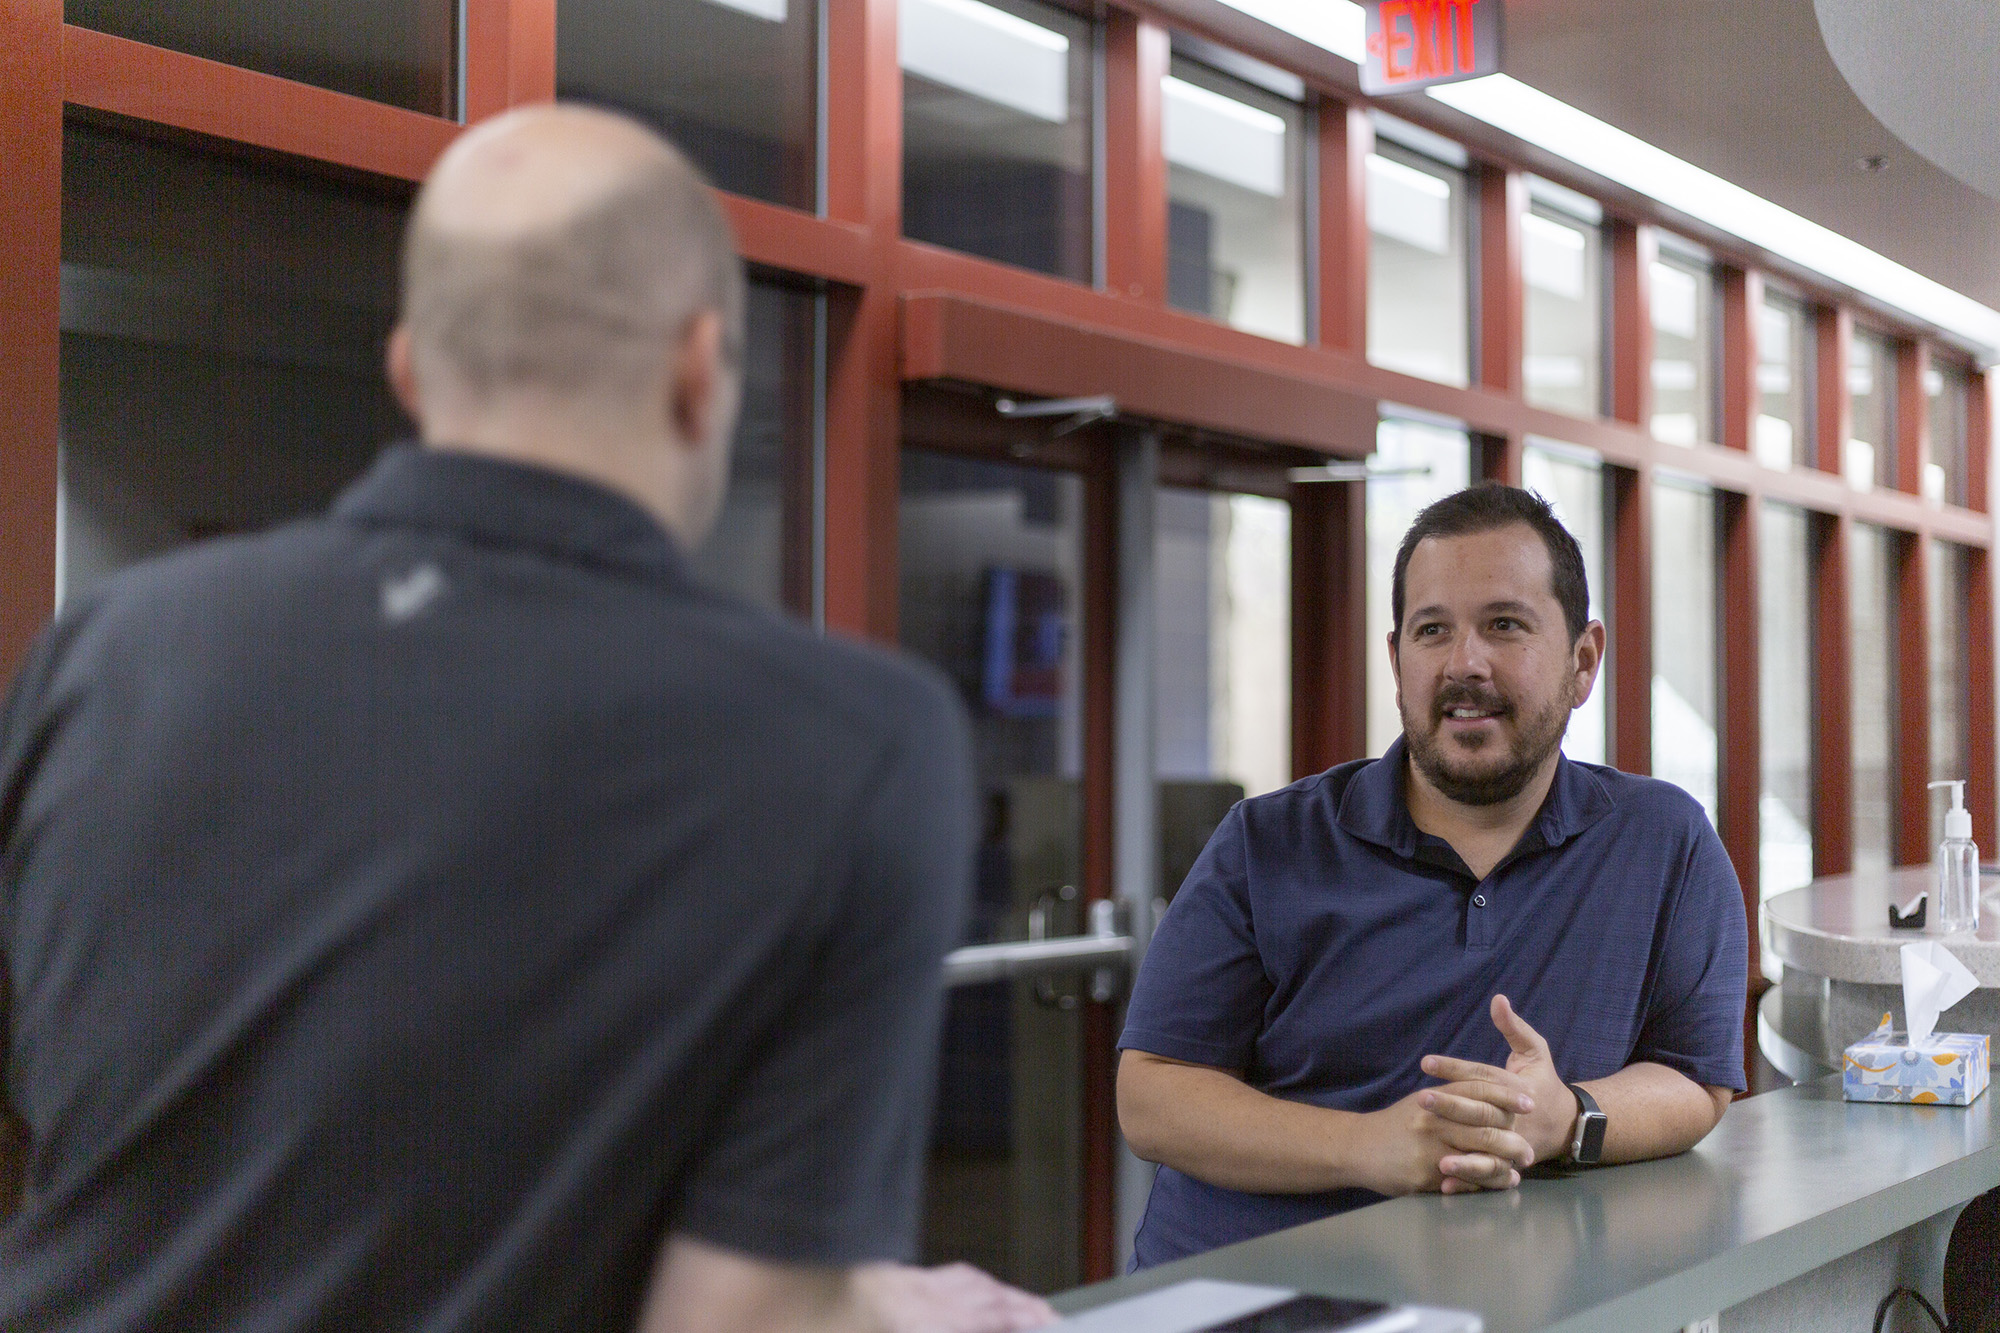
(1586, 1145)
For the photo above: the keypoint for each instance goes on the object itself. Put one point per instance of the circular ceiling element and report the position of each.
(1929, 70)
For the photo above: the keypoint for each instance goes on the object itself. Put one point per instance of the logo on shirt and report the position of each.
(408, 595)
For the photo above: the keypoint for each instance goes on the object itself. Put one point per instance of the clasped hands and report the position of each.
(1482, 1128)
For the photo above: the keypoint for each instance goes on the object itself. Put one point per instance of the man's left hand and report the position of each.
(1549, 1126)
(1531, 1068)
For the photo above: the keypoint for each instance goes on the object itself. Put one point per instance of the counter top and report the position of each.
(1838, 927)
(1789, 1181)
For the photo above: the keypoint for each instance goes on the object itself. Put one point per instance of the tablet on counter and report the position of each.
(1206, 1306)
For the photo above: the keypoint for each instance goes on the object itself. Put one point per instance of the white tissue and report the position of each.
(1933, 981)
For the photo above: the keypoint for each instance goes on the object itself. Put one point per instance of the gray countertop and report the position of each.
(1838, 927)
(1789, 1181)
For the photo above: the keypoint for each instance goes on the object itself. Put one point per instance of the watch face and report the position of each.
(1590, 1144)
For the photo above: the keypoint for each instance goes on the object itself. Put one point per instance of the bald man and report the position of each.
(445, 915)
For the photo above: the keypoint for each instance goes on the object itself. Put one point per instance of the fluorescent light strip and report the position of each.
(1339, 26)
(1534, 116)
(1537, 118)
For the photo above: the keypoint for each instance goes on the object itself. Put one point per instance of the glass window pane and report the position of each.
(1945, 472)
(1235, 201)
(1686, 720)
(762, 546)
(403, 52)
(1573, 482)
(997, 131)
(1562, 275)
(733, 82)
(1393, 504)
(223, 326)
(222, 332)
(992, 594)
(1784, 702)
(1683, 295)
(1869, 459)
(1951, 673)
(1418, 267)
(1222, 568)
(1872, 626)
(1783, 437)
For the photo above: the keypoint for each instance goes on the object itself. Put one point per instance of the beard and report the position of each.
(1492, 771)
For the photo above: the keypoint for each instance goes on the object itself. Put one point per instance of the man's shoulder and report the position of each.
(1649, 821)
(1325, 788)
(874, 685)
(209, 574)
(261, 580)
(1296, 811)
(1635, 797)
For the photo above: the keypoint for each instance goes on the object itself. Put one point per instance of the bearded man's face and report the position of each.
(1486, 670)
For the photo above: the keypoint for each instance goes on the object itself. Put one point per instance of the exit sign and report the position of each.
(1416, 43)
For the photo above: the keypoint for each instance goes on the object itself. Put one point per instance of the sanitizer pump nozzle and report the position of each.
(1957, 866)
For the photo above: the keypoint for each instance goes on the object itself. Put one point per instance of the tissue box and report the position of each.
(1946, 1069)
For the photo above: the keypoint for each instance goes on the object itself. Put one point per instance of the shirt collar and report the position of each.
(1374, 809)
(501, 503)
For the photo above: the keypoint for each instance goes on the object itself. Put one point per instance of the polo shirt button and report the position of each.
(1479, 900)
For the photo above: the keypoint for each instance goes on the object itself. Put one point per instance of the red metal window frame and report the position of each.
(31, 101)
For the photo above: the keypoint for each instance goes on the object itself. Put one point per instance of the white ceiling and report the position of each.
(1746, 89)
(1912, 62)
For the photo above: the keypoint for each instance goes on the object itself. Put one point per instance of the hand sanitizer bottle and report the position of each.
(1957, 867)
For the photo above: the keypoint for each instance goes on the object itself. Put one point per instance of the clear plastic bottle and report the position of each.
(1957, 867)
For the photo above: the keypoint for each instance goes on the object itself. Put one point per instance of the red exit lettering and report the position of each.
(1425, 39)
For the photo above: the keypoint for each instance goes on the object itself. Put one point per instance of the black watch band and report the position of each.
(1586, 1145)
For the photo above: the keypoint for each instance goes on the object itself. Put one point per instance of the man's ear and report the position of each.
(1396, 666)
(403, 374)
(695, 381)
(1586, 657)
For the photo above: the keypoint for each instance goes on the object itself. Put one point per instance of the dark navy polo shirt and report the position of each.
(1323, 945)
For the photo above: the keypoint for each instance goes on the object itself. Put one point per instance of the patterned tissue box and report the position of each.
(1947, 1069)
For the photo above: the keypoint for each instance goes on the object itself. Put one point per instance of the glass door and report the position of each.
(992, 593)
(1222, 571)
(1010, 555)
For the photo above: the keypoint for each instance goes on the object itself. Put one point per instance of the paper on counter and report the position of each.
(1182, 1308)
(1933, 981)
(1202, 1303)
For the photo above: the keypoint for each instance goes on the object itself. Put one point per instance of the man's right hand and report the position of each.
(703, 1288)
(953, 1298)
(1452, 1139)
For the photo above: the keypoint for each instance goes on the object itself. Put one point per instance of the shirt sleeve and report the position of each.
(1694, 1017)
(1202, 989)
(19, 745)
(16, 744)
(820, 1155)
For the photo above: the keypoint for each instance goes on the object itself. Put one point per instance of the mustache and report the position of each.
(1464, 696)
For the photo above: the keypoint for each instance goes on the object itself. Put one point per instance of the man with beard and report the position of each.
(1432, 970)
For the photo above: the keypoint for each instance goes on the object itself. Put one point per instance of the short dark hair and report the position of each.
(1484, 508)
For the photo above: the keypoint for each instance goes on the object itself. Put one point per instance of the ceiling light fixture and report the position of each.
(1598, 147)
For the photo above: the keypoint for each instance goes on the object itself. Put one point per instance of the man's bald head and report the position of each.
(559, 252)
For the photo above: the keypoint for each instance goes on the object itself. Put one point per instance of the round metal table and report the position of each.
(1843, 966)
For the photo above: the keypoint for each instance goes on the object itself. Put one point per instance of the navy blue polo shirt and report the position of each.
(1323, 945)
